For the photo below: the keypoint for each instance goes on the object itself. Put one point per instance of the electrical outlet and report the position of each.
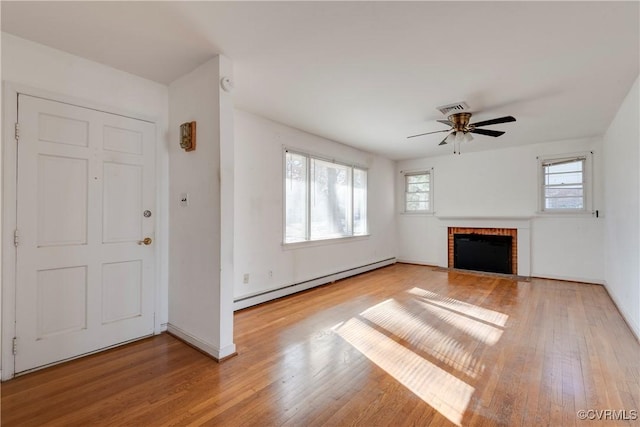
(245, 280)
(270, 274)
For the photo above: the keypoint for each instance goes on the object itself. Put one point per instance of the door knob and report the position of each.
(147, 241)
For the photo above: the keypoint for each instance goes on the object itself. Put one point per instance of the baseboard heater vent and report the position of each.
(258, 298)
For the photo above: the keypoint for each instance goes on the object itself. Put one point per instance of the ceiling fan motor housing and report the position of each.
(460, 121)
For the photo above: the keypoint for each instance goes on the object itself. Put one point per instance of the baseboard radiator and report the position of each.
(259, 298)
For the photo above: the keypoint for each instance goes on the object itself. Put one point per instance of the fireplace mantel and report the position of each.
(490, 218)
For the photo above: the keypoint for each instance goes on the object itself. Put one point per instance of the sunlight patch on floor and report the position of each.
(442, 391)
(414, 327)
(480, 313)
(483, 332)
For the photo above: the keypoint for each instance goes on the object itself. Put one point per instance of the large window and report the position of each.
(564, 184)
(323, 199)
(417, 192)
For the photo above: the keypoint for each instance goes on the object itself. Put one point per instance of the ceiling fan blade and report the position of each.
(487, 132)
(428, 133)
(446, 122)
(505, 119)
(444, 141)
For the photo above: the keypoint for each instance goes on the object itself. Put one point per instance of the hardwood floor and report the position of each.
(403, 345)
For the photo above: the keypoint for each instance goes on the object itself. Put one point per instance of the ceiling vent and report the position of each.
(453, 108)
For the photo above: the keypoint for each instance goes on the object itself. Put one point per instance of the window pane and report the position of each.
(296, 197)
(359, 201)
(413, 188)
(576, 166)
(417, 178)
(323, 200)
(330, 200)
(571, 191)
(417, 206)
(417, 188)
(417, 197)
(564, 185)
(565, 203)
(564, 178)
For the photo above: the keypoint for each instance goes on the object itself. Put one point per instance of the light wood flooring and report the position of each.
(402, 345)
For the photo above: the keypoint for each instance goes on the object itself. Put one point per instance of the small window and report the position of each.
(324, 199)
(564, 184)
(417, 192)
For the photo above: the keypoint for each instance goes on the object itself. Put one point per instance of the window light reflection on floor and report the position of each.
(405, 323)
(420, 322)
(442, 391)
(483, 332)
(480, 313)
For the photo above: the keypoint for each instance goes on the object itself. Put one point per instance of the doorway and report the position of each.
(85, 231)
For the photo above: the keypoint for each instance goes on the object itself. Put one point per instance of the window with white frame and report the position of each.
(324, 199)
(417, 192)
(565, 184)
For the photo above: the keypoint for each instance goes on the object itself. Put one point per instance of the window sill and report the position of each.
(566, 214)
(324, 242)
(420, 213)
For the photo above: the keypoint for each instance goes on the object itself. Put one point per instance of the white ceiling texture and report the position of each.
(368, 74)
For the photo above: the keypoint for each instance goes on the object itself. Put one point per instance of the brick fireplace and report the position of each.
(512, 232)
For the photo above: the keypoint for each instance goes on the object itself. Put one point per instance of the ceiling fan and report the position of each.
(461, 128)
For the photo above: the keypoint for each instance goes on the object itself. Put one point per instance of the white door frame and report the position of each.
(9, 206)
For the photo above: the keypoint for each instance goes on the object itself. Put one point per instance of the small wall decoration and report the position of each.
(188, 136)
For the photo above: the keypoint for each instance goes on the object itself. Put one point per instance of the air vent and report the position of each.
(453, 108)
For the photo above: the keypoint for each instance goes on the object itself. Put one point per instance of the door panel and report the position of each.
(121, 291)
(61, 287)
(63, 130)
(83, 282)
(62, 215)
(123, 140)
(122, 219)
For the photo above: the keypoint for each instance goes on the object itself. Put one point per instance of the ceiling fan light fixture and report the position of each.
(451, 137)
(468, 137)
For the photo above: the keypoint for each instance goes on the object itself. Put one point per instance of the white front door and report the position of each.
(86, 195)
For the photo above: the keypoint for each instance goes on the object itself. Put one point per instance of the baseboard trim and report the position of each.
(567, 279)
(255, 299)
(414, 262)
(623, 314)
(217, 354)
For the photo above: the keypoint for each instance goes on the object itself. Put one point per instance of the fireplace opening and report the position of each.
(483, 252)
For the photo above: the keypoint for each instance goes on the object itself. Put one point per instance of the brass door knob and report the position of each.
(147, 241)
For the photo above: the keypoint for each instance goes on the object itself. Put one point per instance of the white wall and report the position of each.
(504, 183)
(622, 220)
(41, 67)
(259, 209)
(200, 304)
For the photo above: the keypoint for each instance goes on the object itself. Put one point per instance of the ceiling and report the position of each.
(368, 74)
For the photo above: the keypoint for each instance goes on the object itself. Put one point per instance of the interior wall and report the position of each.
(259, 206)
(622, 219)
(197, 312)
(504, 184)
(41, 67)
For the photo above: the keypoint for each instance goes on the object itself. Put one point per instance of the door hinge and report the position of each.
(17, 131)
(16, 237)
(15, 346)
